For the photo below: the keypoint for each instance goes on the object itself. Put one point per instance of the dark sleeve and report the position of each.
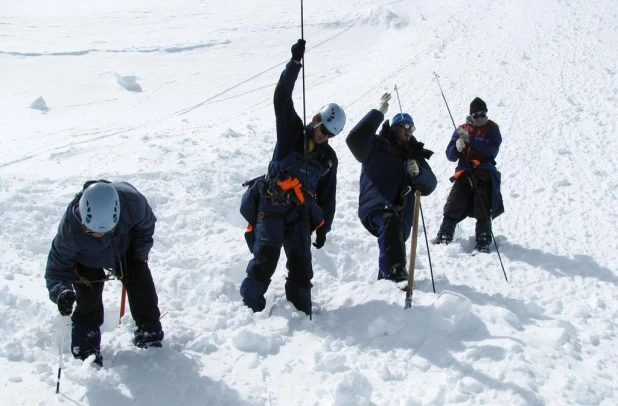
(61, 260)
(327, 193)
(143, 228)
(363, 135)
(451, 150)
(289, 124)
(425, 181)
(489, 145)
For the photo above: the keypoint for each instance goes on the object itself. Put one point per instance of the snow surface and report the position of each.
(204, 123)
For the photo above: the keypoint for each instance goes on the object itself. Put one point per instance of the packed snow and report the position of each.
(203, 123)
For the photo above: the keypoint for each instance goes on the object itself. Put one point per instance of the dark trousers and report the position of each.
(463, 201)
(285, 227)
(391, 241)
(88, 315)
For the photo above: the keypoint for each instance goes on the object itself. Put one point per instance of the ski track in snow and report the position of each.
(204, 124)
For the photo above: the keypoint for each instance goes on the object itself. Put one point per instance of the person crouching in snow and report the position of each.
(296, 198)
(394, 166)
(477, 194)
(106, 226)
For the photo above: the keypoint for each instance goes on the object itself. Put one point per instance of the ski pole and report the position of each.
(123, 299)
(473, 181)
(409, 289)
(421, 209)
(64, 330)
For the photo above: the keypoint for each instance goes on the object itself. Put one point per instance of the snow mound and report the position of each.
(451, 312)
(39, 104)
(384, 17)
(129, 83)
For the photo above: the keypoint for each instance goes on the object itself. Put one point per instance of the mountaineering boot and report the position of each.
(446, 232)
(483, 236)
(143, 338)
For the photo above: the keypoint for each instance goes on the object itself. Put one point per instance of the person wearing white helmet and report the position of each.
(394, 166)
(296, 198)
(106, 226)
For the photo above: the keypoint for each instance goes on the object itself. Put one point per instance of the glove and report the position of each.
(413, 168)
(383, 107)
(463, 134)
(320, 238)
(298, 50)
(460, 144)
(65, 302)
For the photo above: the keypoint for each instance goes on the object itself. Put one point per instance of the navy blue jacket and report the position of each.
(132, 236)
(288, 158)
(484, 145)
(384, 174)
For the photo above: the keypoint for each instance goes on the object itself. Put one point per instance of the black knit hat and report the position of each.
(477, 105)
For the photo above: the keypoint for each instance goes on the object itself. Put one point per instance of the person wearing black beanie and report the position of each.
(476, 183)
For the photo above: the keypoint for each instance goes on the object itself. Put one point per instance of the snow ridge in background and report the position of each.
(204, 123)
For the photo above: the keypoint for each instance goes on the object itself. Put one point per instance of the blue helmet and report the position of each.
(99, 207)
(402, 118)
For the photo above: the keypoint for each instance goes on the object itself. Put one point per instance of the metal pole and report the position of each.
(306, 139)
(64, 330)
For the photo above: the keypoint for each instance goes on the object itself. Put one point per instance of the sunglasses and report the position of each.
(480, 114)
(407, 126)
(90, 232)
(325, 131)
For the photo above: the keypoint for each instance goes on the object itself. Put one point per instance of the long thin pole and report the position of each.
(64, 331)
(472, 179)
(306, 139)
(433, 284)
(421, 209)
(411, 265)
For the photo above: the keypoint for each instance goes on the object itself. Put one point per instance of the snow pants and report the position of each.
(89, 313)
(392, 236)
(279, 225)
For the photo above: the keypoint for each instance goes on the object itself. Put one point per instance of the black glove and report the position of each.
(65, 302)
(320, 238)
(298, 50)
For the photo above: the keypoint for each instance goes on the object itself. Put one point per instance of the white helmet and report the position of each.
(333, 118)
(99, 207)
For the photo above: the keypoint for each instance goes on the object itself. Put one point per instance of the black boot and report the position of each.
(483, 236)
(446, 232)
(146, 338)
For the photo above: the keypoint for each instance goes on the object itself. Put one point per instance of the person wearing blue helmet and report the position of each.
(394, 166)
(295, 198)
(106, 226)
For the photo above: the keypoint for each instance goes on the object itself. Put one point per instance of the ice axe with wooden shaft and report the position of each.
(412, 263)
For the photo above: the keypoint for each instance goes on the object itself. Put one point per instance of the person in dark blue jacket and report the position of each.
(295, 198)
(394, 166)
(478, 196)
(106, 226)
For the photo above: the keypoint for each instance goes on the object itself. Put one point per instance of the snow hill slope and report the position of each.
(203, 123)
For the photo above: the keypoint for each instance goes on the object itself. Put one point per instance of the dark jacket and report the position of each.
(288, 157)
(132, 236)
(384, 174)
(483, 149)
